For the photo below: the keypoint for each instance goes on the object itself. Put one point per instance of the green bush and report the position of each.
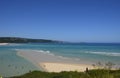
(98, 73)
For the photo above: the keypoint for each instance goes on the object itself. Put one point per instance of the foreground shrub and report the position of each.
(98, 73)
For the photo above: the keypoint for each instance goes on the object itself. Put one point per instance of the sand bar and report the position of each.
(52, 63)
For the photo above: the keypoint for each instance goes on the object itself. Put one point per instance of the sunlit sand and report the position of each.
(59, 67)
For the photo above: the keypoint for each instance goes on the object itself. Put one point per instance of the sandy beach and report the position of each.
(52, 63)
(4, 43)
(59, 67)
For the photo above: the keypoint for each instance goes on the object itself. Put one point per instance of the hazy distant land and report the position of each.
(25, 40)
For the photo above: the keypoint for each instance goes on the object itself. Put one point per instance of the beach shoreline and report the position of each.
(59, 67)
(50, 63)
(29, 59)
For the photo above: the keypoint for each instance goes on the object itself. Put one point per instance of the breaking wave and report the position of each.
(105, 53)
(46, 52)
(41, 51)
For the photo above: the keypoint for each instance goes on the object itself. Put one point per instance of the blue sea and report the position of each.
(11, 64)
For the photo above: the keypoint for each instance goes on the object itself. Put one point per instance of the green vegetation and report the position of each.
(0, 76)
(24, 40)
(107, 66)
(98, 73)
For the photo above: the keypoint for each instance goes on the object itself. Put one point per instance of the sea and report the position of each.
(11, 64)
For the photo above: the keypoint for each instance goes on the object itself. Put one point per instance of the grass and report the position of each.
(98, 73)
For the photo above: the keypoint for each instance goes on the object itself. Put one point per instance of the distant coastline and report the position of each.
(25, 40)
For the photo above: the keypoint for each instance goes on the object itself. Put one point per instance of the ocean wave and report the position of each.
(46, 52)
(41, 51)
(105, 53)
(14, 44)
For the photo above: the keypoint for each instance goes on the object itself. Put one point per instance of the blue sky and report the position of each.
(66, 20)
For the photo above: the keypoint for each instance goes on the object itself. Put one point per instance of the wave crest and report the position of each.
(41, 51)
(105, 53)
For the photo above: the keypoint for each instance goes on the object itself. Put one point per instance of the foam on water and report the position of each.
(41, 51)
(47, 52)
(105, 53)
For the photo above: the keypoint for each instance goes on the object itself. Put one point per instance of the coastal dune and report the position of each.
(52, 63)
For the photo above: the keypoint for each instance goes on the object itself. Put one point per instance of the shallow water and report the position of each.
(11, 64)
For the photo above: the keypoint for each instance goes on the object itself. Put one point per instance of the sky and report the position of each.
(65, 20)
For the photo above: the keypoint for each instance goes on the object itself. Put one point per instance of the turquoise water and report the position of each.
(11, 64)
